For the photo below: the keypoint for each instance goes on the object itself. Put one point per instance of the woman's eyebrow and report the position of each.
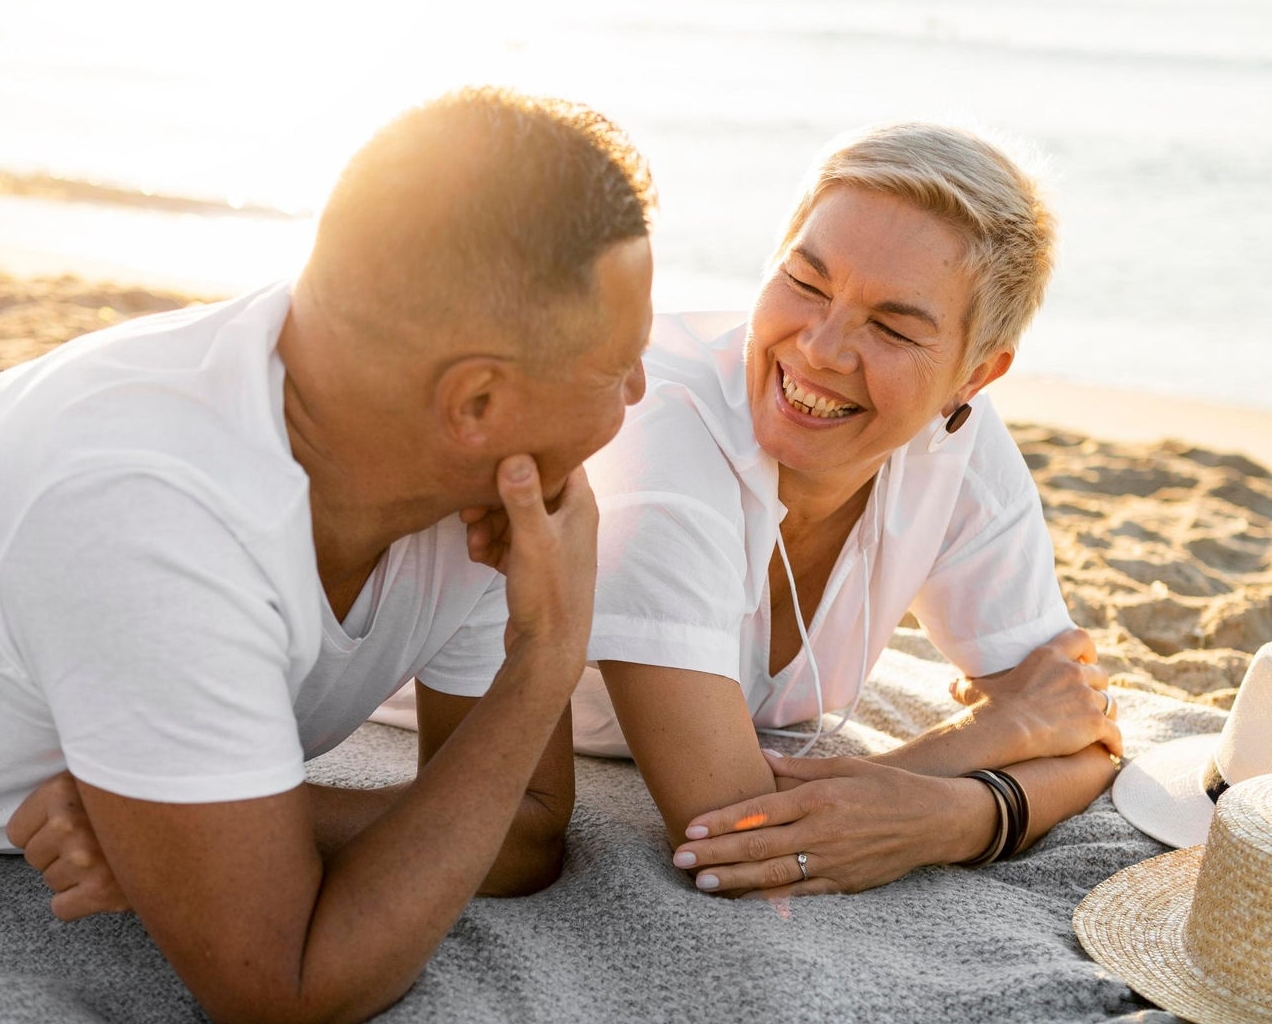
(889, 306)
(812, 260)
(905, 309)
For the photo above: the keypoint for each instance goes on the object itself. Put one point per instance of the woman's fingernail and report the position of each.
(696, 832)
(705, 881)
(771, 753)
(684, 860)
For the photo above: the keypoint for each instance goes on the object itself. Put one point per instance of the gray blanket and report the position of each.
(623, 936)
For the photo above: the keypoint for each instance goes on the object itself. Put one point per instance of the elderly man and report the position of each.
(228, 533)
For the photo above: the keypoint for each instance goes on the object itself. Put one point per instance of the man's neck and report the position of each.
(372, 477)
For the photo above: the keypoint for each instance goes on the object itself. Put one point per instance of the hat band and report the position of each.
(1213, 782)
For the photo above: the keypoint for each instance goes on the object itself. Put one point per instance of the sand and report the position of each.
(1163, 547)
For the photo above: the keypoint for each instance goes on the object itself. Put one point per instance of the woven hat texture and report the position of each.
(1192, 929)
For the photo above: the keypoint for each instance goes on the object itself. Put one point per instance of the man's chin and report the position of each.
(552, 495)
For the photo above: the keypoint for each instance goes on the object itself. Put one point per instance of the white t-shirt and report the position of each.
(163, 629)
(689, 523)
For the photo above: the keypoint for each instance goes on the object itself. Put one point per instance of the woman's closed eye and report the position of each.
(804, 286)
(893, 334)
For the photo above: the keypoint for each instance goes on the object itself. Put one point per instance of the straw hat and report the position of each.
(1170, 792)
(1192, 929)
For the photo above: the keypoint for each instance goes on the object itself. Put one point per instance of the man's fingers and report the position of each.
(53, 794)
(517, 479)
(83, 900)
(26, 821)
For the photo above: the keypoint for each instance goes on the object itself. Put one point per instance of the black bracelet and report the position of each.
(1013, 815)
(1022, 806)
(999, 840)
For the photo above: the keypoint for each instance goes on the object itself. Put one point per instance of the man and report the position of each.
(226, 534)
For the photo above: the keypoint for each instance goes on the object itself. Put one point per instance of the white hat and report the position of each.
(1170, 792)
(1192, 929)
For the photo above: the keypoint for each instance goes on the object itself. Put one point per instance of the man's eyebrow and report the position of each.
(905, 309)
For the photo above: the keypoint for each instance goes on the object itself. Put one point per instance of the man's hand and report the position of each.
(55, 836)
(548, 555)
(1054, 700)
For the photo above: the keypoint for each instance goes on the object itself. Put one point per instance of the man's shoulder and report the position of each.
(187, 397)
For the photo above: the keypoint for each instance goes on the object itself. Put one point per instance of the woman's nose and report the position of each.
(831, 344)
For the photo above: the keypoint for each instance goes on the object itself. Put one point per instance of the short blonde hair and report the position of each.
(993, 205)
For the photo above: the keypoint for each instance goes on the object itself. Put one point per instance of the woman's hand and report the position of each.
(1052, 704)
(859, 824)
(57, 839)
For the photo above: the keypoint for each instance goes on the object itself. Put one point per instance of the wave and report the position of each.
(55, 188)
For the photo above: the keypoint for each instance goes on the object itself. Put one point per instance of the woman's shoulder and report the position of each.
(995, 465)
(691, 435)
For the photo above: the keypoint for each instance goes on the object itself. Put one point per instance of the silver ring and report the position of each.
(802, 860)
(1109, 704)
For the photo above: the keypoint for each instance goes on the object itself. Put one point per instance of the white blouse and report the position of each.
(689, 523)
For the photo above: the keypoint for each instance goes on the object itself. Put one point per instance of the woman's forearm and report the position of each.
(1060, 787)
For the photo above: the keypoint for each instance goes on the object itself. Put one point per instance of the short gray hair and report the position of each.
(997, 209)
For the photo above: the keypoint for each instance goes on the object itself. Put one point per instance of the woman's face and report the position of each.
(857, 336)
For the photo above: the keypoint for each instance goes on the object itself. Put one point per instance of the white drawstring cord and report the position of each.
(813, 737)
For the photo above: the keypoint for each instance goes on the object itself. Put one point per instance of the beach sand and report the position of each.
(1163, 546)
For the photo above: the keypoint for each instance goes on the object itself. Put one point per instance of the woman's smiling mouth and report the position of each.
(809, 402)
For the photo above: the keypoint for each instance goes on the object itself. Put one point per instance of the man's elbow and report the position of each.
(540, 867)
(534, 852)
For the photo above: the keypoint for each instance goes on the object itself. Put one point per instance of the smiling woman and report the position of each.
(787, 492)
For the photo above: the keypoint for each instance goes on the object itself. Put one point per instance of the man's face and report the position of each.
(568, 415)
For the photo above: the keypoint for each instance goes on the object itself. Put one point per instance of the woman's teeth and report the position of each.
(816, 405)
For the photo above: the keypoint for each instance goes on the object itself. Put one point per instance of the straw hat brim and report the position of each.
(1133, 924)
(1161, 794)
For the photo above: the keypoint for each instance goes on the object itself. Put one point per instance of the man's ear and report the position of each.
(471, 395)
(981, 374)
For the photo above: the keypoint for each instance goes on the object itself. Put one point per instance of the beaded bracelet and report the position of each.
(1013, 816)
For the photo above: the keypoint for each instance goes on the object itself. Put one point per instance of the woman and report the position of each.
(785, 493)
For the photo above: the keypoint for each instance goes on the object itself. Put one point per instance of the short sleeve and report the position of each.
(992, 595)
(157, 640)
(467, 663)
(671, 552)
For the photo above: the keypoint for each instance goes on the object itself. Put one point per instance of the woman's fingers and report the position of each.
(809, 768)
(759, 812)
(965, 691)
(813, 887)
(1075, 644)
(773, 873)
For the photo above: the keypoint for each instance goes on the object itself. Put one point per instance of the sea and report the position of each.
(192, 143)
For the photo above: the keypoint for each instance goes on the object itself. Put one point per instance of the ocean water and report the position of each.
(1152, 121)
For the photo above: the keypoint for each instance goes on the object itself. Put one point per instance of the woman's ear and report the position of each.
(470, 397)
(981, 374)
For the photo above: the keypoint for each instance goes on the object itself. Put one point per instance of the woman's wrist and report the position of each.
(970, 822)
(1003, 736)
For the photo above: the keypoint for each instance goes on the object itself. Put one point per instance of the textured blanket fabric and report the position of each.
(623, 936)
